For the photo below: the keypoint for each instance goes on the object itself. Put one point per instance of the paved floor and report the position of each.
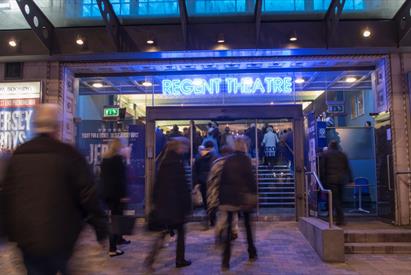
(281, 247)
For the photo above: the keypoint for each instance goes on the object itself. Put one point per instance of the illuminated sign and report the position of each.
(17, 100)
(230, 85)
(112, 111)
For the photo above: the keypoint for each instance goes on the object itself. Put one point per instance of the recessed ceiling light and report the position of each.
(12, 43)
(150, 42)
(299, 80)
(79, 41)
(97, 85)
(147, 84)
(350, 79)
(366, 33)
(293, 38)
(220, 39)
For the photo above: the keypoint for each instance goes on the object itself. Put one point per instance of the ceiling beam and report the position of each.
(257, 15)
(332, 17)
(117, 33)
(183, 20)
(39, 23)
(403, 21)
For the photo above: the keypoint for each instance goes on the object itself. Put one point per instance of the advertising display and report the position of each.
(312, 160)
(93, 139)
(17, 101)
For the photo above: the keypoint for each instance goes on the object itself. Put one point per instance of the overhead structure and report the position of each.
(119, 36)
(257, 15)
(183, 21)
(403, 21)
(39, 23)
(332, 18)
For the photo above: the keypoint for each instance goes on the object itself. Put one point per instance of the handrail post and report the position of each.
(307, 211)
(330, 208)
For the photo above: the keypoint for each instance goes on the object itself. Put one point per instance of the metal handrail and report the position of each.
(322, 189)
(403, 173)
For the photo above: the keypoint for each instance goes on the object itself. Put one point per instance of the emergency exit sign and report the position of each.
(111, 112)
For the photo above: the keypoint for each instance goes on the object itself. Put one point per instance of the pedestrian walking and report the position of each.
(335, 173)
(47, 195)
(172, 200)
(238, 193)
(114, 180)
(201, 169)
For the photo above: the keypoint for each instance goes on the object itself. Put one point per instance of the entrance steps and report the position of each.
(377, 241)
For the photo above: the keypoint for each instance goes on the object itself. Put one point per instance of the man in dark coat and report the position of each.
(47, 194)
(201, 169)
(335, 173)
(238, 192)
(172, 199)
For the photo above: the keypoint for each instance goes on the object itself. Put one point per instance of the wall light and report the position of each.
(366, 33)
(350, 79)
(13, 43)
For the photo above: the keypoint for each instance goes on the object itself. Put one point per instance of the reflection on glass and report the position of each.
(220, 7)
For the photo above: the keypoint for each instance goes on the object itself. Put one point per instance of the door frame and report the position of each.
(294, 112)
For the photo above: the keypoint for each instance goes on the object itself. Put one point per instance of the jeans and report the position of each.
(252, 251)
(49, 265)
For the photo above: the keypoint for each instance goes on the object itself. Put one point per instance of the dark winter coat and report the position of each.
(238, 184)
(201, 169)
(114, 179)
(172, 195)
(334, 167)
(47, 194)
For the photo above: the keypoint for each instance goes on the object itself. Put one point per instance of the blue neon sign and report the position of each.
(229, 85)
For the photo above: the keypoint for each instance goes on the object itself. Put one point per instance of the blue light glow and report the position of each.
(229, 85)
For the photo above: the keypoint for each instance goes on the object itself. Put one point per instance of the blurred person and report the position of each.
(213, 191)
(270, 142)
(210, 137)
(160, 140)
(114, 180)
(175, 132)
(171, 200)
(227, 138)
(238, 193)
(47, 195)
(201, 169)
(254, 140)
(335, 173)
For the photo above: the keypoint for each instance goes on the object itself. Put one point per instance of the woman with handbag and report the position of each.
(113, 177)
(171, 200)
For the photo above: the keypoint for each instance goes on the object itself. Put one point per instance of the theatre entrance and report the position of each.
(279, 171)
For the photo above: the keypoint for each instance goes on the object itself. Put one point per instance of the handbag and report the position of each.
(196, 196)
(122, 225)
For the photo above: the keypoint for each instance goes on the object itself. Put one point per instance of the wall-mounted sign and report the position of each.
(230, 85)
(111, 112)
(17, 101)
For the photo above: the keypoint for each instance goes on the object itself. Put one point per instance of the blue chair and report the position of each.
(361, 186)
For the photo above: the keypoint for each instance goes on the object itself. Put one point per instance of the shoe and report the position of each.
(252, 255)
(234, 236)
(225, 267)
(123, 241)
(183, 263)
(116, 253)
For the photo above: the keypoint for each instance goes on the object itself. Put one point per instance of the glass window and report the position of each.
(220, 7)
(371, 9)
(157, 8)
(285, 5)
(10, 11)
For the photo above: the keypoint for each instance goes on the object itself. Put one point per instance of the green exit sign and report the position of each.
(111, 112)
